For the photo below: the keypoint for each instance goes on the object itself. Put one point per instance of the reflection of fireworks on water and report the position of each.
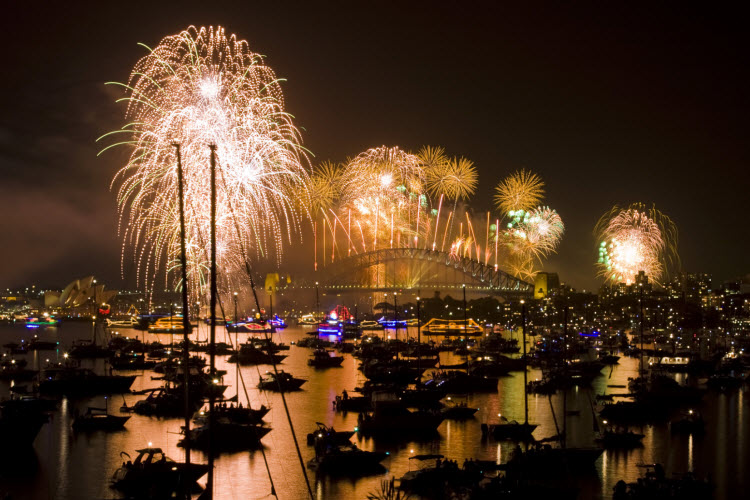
(523, 190)
(635, 239)
(196, 88)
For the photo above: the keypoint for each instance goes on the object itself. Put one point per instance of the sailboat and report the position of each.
(511, 429)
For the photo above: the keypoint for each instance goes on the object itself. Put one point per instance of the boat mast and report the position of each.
(640, 285)
(237, 347)
(525, 376)
(185, 305)
(565, 374)
(212, 339)
(419, 346)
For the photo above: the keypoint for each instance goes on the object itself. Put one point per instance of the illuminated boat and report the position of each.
(122, 322)
(168, 324)
(456, 328)
(250, 327)
(331, 327)
(307, 320)
(277, 322)
(37, 322)
(370, 325)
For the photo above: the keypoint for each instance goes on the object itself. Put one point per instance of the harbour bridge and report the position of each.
(415, 268)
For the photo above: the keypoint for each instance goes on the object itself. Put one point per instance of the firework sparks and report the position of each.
(523, 190)
(455, 179)
(635, 239)
(197, 88)
(530, 237)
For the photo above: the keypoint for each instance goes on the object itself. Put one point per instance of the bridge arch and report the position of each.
(390, 268)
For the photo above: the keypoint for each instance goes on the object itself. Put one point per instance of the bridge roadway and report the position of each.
(396, 267)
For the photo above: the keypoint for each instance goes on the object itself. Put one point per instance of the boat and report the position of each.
(41, 321)
(331, 327)
(250, 327)
(458, 411)
(329, 435)
(510, 430)
(346, 460)
(619, 439)
(167, 324)
(20, 422)
(122, 322)
(154, 475)
(238, 414)
(322, 358)
(370, 325)
(284, 382)
(452, 328)
(444, 475)
(690, 422)
(73, 381)
(227, 435)
(277, 322)
(307, 320)
(555, 460)
(458, 382)
(42, 345)
(88, 349)
(15, 369)
(251, 354)
(392, 417)
(98, 419)
(656, 484)
(132, 361)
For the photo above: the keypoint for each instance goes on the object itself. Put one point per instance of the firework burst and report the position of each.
(530, 237)
(197, 88)
(523, 190)
(635, 239)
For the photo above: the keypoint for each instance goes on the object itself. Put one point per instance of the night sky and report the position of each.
(609, 104)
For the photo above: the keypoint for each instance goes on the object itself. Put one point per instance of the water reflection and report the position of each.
(80, 465)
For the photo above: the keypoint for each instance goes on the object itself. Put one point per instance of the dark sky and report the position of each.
(609, 103)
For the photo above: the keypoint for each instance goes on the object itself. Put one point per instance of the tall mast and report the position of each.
(525, 376)
(185, 305)
(212, 339)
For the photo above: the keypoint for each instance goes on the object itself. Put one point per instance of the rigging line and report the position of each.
(247, 398)
(249, 272)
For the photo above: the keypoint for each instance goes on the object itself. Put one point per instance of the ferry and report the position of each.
(457, 328)
(168, 324)
(307, 320)
(36, 322)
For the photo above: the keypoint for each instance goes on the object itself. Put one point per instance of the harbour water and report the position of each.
(67, 465)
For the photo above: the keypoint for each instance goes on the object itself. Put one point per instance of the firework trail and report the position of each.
(197, 88)
(529, 238)
(635, 239)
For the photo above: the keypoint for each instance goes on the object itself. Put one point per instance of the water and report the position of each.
(66, 465)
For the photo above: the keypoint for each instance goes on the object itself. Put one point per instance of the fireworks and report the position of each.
(635, 239)
(523, 190)
(324, 187)
(455, 179)
(382, 190)
(530, 237)
(197, 88)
